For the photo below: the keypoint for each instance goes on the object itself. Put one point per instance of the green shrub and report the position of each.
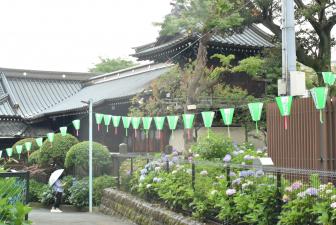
(79, 196)
(67, 182)
(99, 184)
(35, 189)
(212, 147)
(78, 156)
(13, 213)
(34, 158)
(22, 142)
(46, 196)
(55, 152)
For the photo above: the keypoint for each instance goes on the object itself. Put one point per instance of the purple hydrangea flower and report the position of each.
(246, 173)
(236, 181)
(175, 159)
(143, 171)
(235, 145)
(312, 192)
(227, 158)
(230, 192)
(248, 157)
(157, 179)
(164, 158)
(232, 174)
(296, 185)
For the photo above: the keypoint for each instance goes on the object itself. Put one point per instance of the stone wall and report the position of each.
(115, 202)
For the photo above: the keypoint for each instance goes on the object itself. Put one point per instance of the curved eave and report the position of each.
(79, 110)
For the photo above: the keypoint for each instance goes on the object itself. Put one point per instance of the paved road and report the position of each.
(44, 217)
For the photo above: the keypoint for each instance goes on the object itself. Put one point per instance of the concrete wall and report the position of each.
(237, 135)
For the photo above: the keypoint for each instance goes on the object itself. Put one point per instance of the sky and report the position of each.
(70, 35)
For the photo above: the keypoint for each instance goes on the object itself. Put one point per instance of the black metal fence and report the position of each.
(14, 186)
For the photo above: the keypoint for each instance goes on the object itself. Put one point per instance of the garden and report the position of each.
(219, 183)
(41, 159)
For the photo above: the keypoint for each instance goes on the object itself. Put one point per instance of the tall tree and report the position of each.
(314, 18)
(107, 65)
(207, 18)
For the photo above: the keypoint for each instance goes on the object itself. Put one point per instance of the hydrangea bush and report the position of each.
(234, 194)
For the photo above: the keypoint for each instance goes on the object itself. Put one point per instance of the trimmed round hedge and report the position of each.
(34, 158)
(54, 153)
(22, 142)
(78, 156)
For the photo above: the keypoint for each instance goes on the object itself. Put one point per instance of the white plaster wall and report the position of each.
(237, 135)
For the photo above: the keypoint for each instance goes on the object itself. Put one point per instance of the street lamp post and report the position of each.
(90, 102)
(90, 155)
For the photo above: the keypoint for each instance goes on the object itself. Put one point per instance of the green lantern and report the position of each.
(19, 150)
(126, 122)
(172, 123)
(116, 122)
(50, 137)
(207, 119)
(188, 120)
(76, 124)
(255, 111)
(9, 152)
(39, 141)
(284, 104)
(136, 124)
(107, 121)
(99, 119)
(159, 122)
(63, 131)
(320, 95)
(28, 146)
(328, 78)
(227, 115)
(146, 121)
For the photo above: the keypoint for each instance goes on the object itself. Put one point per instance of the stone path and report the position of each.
(44, 217)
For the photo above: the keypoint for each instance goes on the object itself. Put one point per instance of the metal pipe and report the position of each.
(90, 155)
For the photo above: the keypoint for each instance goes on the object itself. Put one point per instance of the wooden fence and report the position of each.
(307, 143)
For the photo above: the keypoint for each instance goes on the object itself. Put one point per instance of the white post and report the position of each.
(90, 155)
(288, 42)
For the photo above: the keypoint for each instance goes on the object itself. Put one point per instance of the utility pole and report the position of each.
(288, 43)
(90, 155)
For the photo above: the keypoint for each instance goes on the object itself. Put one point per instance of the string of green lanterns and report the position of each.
(284, 103)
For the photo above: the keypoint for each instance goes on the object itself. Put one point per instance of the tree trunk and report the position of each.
(323, 62)
(193, 90)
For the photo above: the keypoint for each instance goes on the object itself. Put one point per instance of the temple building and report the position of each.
(33, 103)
